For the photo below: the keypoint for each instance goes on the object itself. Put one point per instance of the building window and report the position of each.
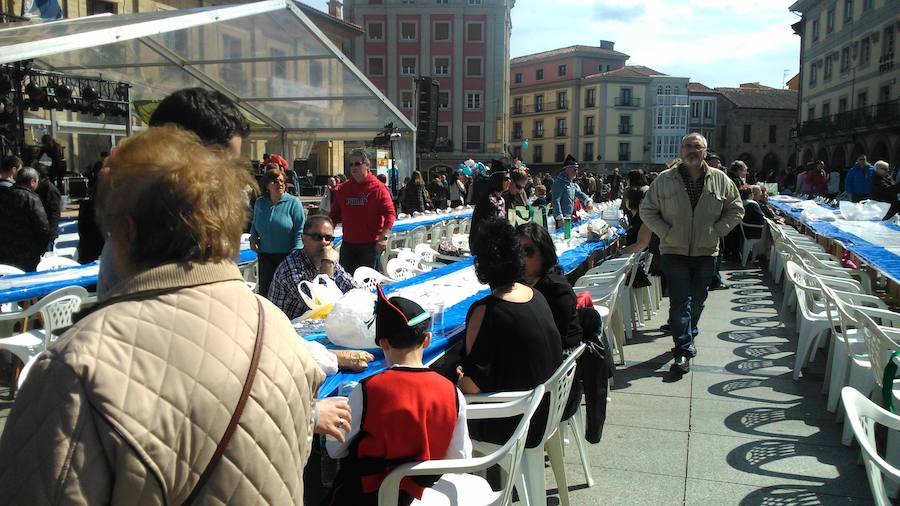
(815, 30)
(232, 73)
(517, 130)
(474, 2)
(518, 78)
(887, 43)
(826, 109)
(473, 138)
(376, 65)
(845, 60)
(829, 21)
(443, 133)
(441, 31)
(539, 154)
(561, 102)
(709, 109)
(842, 105)
(375, 2)
(475, 31)
(442, 2)
(813, 73)
(811, 112)
(624, 151)
(588, 125)
(538, 103)
(560, 154)
(473, 101)
(561, 129)
(408, 30)
(848, 11)
(695, 109)
(517, 105)
(773, 134)
(539, 128)
(408, 2)
(408, 66)
(588, 152)
(747, 133)
(829, 67)
(442, 66)
(539, 75)
(375, 30)
(865, 51)
(590, 97)
(561, 71)
(444, 100)
(279, 65)
(102, 7)
(474, 67)
(517, 152)
(868, 5)
(862, 99)
(625, 125)
(406, 100)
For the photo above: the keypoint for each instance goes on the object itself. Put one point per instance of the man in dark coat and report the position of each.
(51, 199)
(24, 228)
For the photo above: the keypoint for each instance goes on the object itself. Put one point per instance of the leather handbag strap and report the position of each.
(238, 410)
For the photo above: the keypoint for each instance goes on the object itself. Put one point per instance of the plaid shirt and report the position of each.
(295, 268)
(694, 187)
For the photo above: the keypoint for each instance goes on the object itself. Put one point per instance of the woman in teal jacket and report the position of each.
(277, 225)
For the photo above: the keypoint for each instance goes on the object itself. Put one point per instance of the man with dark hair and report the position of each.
(51, 199)
(316, 257)
(10, 165)
(209, 114)
(24, 227)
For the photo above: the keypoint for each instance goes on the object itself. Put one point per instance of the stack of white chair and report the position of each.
(606, 292)
(862, 416)
(368, 278)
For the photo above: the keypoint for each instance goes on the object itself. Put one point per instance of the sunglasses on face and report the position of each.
(319, 237)
(354, 164)
(529, 250)
(277, 181)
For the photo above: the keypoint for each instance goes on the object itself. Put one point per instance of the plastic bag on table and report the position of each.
(351, 323)
(817, 213)
(867, 210)
(320, 294)
(597, 230)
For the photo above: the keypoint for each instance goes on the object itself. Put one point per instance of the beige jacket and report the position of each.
(128, 405)
(666, 210)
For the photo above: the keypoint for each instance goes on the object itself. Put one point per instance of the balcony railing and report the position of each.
(538, 133)
(589, 130)
(627, 102)
(625, 129)
(561, 132)
(673, 100)
(883, 114)
(886, 63)
(532, 108)
(517, 134)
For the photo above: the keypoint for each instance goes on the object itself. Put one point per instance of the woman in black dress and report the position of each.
(490, 204)
(512, 342)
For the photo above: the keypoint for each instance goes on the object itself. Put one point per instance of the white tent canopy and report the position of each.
(284, 73)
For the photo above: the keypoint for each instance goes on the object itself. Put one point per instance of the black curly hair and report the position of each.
(500, 260)
(209, 114)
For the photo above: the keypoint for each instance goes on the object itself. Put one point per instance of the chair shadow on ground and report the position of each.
(793, 495)
(733, 389)
(752, 421)
(756, 357)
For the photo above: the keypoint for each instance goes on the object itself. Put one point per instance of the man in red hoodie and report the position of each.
(364, 205)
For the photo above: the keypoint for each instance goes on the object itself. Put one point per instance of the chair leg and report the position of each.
(838, 380)
(534, 492)
(577, 424)
(554, 448)
(892, 455)
(803, 345)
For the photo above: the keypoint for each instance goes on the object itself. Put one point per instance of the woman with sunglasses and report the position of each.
(278, 219)
(490, 204)
(543, 274)
(516, 196)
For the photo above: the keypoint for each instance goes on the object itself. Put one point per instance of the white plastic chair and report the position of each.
(250, 273)
(749, 245)
(455, 488)
(605, 297)
(54, 263)
(530, 481)
(862, 415)
(56, 310)
(416, 236)
(368, 278)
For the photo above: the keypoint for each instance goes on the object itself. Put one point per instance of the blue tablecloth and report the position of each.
(869, 250)
(454, 317)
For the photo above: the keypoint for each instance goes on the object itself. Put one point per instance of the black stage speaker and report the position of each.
(427, 116)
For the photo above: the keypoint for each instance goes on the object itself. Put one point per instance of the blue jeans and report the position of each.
(688, 281)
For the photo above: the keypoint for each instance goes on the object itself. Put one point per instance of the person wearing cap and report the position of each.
(690, 206)
(564, 191)
(713, 160)
(859, 179)
(407, 413)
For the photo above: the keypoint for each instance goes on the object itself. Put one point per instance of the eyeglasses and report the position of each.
(319, 237)
(279, 182)
(529, 250)
(354, 164)
(694, 146)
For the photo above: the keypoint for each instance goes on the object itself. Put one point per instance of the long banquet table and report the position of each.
(875, 242)
(458, 287)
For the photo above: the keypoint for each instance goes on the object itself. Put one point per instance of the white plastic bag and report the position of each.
(817, 213)
(867, 210)
(320, 294)
(351, 323)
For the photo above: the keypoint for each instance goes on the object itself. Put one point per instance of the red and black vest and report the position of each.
(408, 415)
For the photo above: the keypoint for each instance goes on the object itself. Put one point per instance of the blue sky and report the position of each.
(715, 42)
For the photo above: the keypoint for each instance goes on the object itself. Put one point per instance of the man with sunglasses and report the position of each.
(317, 257)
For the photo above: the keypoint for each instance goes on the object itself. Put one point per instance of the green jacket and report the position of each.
(666, 209)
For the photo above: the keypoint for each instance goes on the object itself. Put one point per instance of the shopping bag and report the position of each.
(527, 214)
(351, 323)
(320, 294)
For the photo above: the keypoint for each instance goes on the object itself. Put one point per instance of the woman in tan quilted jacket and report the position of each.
(131, 403)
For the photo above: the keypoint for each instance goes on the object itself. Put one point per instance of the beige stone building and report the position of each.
(848, 101)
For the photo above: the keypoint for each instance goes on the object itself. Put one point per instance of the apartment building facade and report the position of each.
(703, 112)
(464, 44)
(848, 101)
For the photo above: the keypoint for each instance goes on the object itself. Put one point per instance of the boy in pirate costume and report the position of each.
(406, 413)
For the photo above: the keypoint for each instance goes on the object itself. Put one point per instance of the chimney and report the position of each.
(336, 8)
(607, 44)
